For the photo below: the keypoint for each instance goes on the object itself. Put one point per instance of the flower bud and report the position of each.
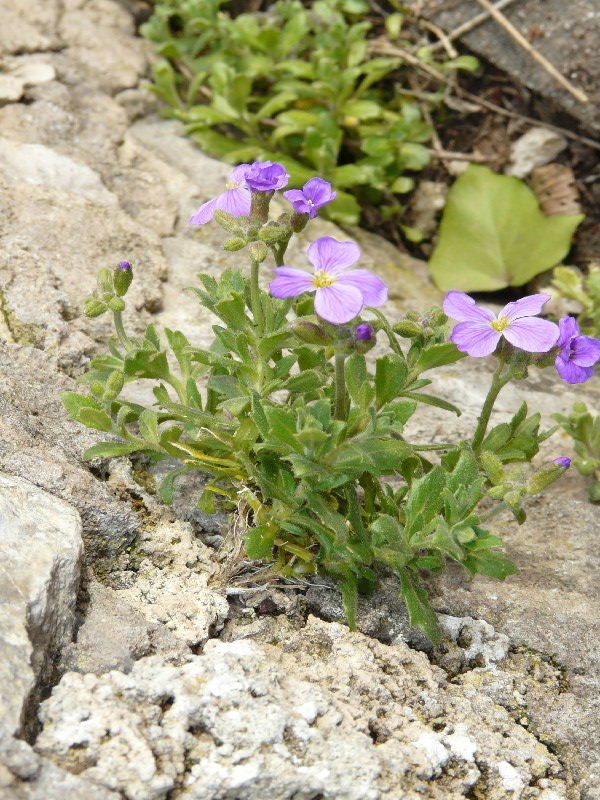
(298, 221)
(365, 337)
(493, 466)
(407, 328)
(116, 304)
(94, 307)
(258, 251)
(122, 277)
(105, 281)
(547, 475)
(227, 221)
(271, 233)
(114, 384)
(310, 332)
(237, 243)
(564, 461)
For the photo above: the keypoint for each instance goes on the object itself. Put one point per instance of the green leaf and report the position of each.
(419, 609)
(355, 369)
(493, 234)
(95, 418)
(260, 541)
(438, 355)
(390, 377)
(110, 450)
(490, 562)
(74, 402)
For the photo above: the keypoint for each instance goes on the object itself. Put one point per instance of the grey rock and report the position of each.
(24, 775)
(315, 711)
(40, 444)
(28, 27)
(568, 40)
(40, 560)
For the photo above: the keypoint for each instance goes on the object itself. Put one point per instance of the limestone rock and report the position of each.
(40, 444)
(318, 711)
(40, 559)
(24, 775)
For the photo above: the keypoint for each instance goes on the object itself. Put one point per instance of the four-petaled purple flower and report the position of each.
(236, 199)
(563, 461)
(315, 194)
(266, 176)
(577, 355)
(479, 330)
(340, 295)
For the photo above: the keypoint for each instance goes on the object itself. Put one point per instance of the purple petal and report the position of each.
(327, 254)
(569, 329)
(532, 334)
(525, 307)
(319, 191)
(461, 307)
(298, 200)
(238, 175)
(205, 213)
(475, 338)
(338, 303)
(236, 202)
(372, 288)
(290, 282)
(564, 461)
(585, 351)
(571, 373)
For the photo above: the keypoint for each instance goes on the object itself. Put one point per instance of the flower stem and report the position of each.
(120, 329)
(255, 301)
(340, 386)
(498, 382)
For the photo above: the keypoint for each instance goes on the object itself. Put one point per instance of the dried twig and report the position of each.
(450, 155)
(528, 47)
(556, 190)
(470, 24)
(383, 47)
(443, 40)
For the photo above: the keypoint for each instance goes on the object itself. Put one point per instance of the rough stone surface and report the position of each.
(40, 560)
(565, 35)
(90, 176)
(314, 712)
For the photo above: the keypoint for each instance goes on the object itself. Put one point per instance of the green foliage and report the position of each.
(306, 437)
(585, 290)
(584, 428)
(297, 85)
(493, 234)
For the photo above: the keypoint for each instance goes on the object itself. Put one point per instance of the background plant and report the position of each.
(297, 85)
(305, 438)
(584, 288)
(584, 428)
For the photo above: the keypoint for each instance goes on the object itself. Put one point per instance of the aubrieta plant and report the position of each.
(304, 436)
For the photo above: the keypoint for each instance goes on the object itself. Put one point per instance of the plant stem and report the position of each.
(257, 309)
(498, 382)
(340, 386)
(441, 446)
(385, 325)
(120, 329)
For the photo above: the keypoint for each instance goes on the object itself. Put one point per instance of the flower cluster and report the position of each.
(479, 331)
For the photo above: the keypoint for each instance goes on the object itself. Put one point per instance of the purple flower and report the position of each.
(340, 295)
(577, 355)
(236, 199)
(479, 330)
(314, 195)
(364, 332)
(266, 176)
(564, 461)
(124, 265)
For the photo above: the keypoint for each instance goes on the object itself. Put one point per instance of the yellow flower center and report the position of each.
(310, 202)
(500, 324)
(323, 279)
(229, 185)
